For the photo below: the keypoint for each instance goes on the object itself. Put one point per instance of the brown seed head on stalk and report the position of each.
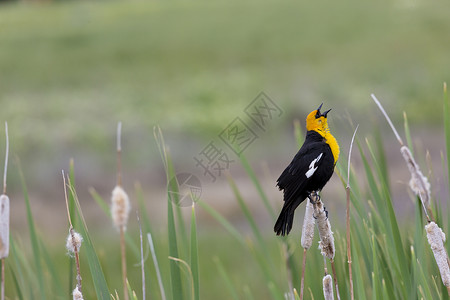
(308, 226)
(326, 243)
(120, 208)
(328, 287)
(436, 239)
(419, 183)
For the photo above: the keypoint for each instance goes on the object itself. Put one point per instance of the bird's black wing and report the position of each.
(310, 169)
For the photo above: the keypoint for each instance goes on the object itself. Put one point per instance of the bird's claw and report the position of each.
(316, 196)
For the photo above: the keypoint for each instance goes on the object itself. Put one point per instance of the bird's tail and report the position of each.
(284, 223)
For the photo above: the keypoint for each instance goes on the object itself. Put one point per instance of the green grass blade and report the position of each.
(99, 281)
(16, 257)
(248, 293)
(258, 186)
(421, 279)
(226, 279)
(175, 276)
(16, 284)
(100, 201)
(174, 198)
(248, 215)
(358, 281)
(224, 222)
(194, 255)
(33, 236)
(408, 133)
(131, 294)
(376, 287)
(447, 129)
(55, 277)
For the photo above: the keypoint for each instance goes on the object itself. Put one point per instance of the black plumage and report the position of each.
(309, 171)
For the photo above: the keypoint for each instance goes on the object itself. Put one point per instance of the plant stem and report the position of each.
(77, 258)
(119, 152)
(349, 253)
(3, 279)
(347, 190)
(302, 285)
(335, 279)
(124, 264)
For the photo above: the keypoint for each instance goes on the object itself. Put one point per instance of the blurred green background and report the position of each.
(70, 70)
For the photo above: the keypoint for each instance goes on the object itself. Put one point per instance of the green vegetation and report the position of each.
(389, 260)
(71, 70)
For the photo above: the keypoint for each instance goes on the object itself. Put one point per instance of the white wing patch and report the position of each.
(312, 167)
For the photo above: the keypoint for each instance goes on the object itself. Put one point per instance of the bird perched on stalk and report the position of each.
(310, 169)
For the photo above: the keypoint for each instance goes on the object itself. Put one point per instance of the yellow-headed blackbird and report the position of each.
(310, 169)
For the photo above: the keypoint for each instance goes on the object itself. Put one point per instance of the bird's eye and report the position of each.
(317, 115)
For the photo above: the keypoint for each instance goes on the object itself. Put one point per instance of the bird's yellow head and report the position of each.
(317, 121)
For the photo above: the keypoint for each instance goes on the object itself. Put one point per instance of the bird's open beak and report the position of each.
(325, 113)
(318, 110)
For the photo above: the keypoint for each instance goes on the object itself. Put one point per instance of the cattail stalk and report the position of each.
(333, 269)
(326, 243)
(418, 183)
(120, 210)
(307, 239)
(436, 239)
(421, 187)
(73, 244)
(4, 219)
(347, 191)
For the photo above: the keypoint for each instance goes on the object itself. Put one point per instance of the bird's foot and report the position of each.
(314, 195)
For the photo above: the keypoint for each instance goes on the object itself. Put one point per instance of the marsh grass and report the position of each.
(389, 261)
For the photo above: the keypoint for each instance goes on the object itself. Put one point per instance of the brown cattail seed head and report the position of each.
(308, 226)
(328, 287)
(436, 239)
(326, 243)
(77, 295)
(419, 183)
(4, 226)
(73, 242)
(120, 208)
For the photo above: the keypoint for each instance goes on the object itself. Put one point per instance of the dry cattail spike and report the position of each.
(120, 208)
(328, 287)
(77, 295)
(308, 226)
(419, 183)
(4, 226)
(326, 243)
(73, 242)
(436, 239)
